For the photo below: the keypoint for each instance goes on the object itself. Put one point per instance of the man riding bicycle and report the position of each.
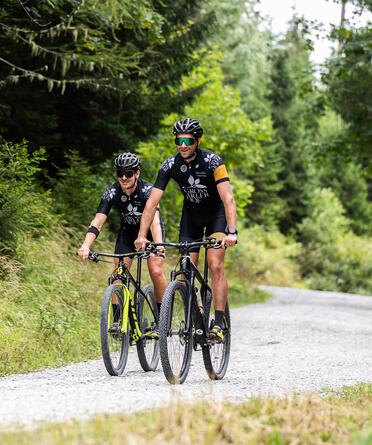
(209, 206)
(129, 196)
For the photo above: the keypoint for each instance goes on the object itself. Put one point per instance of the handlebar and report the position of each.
(209, 243)
(95, 256)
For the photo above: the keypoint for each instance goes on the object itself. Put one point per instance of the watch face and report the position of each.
(232, 231)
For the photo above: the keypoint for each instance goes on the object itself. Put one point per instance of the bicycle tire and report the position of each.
(216, 355)
(173, 337)
(147, 348)
(114, 345)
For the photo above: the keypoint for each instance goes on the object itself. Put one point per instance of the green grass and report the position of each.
(341, 418)
(49, 306)
(50, 302)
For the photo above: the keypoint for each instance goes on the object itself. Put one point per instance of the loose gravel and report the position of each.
(298, 341)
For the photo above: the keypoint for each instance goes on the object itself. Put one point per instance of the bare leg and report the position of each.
(194, 258)
(219, 282)
(156, 270)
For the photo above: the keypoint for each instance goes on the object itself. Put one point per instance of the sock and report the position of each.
(219, 318)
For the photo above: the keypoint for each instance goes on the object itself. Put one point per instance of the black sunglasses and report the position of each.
(128, 173)
(187, 141)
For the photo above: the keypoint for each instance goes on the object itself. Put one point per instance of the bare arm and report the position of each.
(98, 221)
(148, 216)
(225, 191)
(155, 227)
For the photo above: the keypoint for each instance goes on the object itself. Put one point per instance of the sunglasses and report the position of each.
(187, 141)
(128, 173)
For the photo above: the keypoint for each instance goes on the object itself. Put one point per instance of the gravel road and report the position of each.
(298, 341)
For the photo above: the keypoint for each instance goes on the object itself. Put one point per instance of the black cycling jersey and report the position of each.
(197, 179)
(130, 209)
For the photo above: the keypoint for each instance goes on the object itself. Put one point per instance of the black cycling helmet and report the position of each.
(127, 160)
(188, 125)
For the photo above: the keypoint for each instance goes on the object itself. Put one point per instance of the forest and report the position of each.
(84, 80)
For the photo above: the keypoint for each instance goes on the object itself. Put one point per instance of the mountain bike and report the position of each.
(127, 318)
(187, 315)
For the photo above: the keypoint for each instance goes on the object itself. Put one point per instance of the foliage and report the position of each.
(263, 257)
(227, 131)
(114, 62)
(347, 181)
(268, 207)
(341, 418)
(24, 208)
(348, 79)
(345, 177)
(333, 257)
(295, 105)
(77, 189)
(245, 51)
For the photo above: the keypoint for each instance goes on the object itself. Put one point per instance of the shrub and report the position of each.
(24, 207)
(263, 257)
(333, 257)
(78, 189)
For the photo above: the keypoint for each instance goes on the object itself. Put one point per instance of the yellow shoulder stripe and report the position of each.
(220, 173)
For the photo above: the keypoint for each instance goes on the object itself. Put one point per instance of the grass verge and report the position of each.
(49, 306)
(341, 418)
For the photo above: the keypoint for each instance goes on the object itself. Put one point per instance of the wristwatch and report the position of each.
(232, 231)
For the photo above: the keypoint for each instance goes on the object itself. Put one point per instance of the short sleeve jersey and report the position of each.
(129, 207)
(197, 179)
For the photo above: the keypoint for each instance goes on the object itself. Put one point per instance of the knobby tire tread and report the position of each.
(165, 315)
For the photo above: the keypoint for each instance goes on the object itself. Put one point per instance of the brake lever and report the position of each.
(93, 256)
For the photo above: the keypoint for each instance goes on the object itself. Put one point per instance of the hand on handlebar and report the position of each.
(229, 240)
(83, 252)
(140, 243)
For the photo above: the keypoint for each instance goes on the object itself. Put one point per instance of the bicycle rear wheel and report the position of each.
(175, 342)
(216, 355)
(147, 347)
(114, 343)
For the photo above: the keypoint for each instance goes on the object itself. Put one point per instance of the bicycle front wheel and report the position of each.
(216, 355)
(175, 341)
(148, 347)
(114, 342)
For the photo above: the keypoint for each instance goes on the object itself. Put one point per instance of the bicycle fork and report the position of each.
(129, 305)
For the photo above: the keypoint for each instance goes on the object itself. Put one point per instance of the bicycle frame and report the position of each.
(190, 273)
(125, 278)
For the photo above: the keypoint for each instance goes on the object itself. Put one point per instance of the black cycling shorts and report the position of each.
(125, 240)
(195, 225)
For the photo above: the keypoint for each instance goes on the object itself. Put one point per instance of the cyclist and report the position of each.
(129, 196)
(209, 206)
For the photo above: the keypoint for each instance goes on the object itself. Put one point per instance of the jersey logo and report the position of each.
(168, 164)
(124, 198)
(195, 192)
(109, 194)
(146, 190)
(183, 168)
(212, 160)
(132, 216)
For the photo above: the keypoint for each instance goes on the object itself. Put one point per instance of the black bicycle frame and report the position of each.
(127, 278)
(190, 273)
